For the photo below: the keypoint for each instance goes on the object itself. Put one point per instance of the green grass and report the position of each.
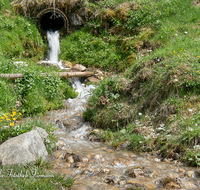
(84, 48)
(31, 176)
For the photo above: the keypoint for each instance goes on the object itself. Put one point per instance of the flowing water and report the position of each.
(54, 45)
(54, 49)
(98, 166)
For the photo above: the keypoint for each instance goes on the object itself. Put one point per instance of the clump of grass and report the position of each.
(31, 176)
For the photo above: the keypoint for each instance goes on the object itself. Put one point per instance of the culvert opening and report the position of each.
(52, 19)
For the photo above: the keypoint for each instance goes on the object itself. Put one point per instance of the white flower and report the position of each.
(186, 32)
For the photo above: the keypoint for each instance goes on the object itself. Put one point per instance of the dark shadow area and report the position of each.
(51, 21)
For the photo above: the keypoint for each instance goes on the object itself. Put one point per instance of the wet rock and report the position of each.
(112, 180)
(150, 186)
(59, 156)
(94, 138)
(191, 174)
(70, 159)
(135, 173)
(84, 159)
(157, 160)
(154, 174)
(60, 144)
(78, 67)
(180, 170)
(80, 165)
(122, 183)
(169, 183)
(98, 156)
(131, 155)
(134, 182)
(172, 185)
(92, 79)
(125, 161)
(116, 163)
(106, 170)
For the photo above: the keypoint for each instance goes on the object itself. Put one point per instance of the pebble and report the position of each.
(191, 174)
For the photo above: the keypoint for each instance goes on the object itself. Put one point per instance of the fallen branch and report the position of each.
(61, 74)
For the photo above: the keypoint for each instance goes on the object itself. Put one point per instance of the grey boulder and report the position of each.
(23, 149)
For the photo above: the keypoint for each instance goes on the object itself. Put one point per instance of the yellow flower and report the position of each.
(5, 116)
(20, 113)
(14, 109)
(14, 113)
(177, 61)
(8, 119)
(11, 124)
(166, 65)
(197, 71)
(1, 120)
(14, 119)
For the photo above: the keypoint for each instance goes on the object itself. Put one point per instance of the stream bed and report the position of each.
(98, 166)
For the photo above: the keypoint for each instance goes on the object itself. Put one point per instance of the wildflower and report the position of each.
(8, 119)
(166, 65)
(14, 119)
(20, 113)
(14, 109)
(177, 61)
(197, 71)
(14, 113)
(186, 32)
(11, 124)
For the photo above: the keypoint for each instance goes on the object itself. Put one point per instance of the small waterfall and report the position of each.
(54, 45)
(54, 49)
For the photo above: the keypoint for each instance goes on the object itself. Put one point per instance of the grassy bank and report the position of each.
(154, 104)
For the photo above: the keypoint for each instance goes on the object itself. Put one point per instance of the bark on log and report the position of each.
(61, 74)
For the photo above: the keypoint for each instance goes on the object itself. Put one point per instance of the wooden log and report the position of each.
(61, 74)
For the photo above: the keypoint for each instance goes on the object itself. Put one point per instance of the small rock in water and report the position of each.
(191, 174)
(98, 156)
(106, 170)
(172, 185)
(70, 159)
(135, 173)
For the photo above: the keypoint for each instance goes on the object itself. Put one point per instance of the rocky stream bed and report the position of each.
(97, 166)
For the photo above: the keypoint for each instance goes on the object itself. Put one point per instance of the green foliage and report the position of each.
(19, 38)
(39, 94)
(82, 47)
(8, 96)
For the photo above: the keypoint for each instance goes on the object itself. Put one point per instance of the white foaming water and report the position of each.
(54, 48)
(54, 45)
(84, 91)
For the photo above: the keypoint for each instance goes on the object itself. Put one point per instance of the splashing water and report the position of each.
(54, 49)
(54, 45)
